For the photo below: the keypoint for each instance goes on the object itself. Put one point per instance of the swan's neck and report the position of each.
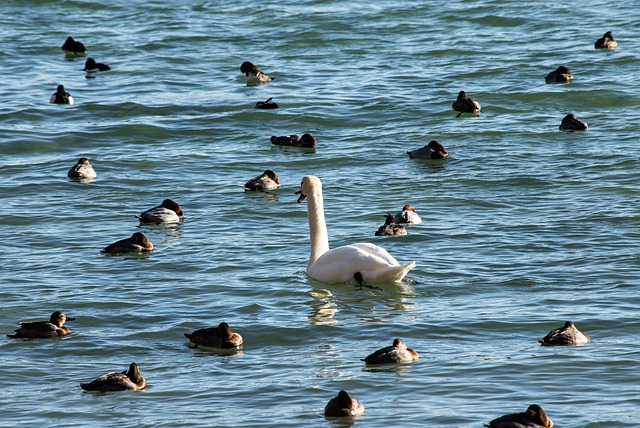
(317, 226)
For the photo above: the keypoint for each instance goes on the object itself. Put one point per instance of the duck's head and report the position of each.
(58, 318)
(248, 67)
(408, 207)
(307, 140)
(307, 185)
(171, 205)
(134, 373)
(539, 416)
(60, 90)
(224, 330)
(272, 175)
(138, 238)
(436, 147)
(462, 95)
(563, 70)
(398, 343)
(83, 161)
(89, 63)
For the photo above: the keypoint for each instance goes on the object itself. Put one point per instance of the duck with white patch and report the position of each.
(128, 380)
(61, 96)
(432, 150)
(363, 263)
(91, 66)
(408, 215)
(82, 170)
(267, 181)
(73, 48)
(606, 42)
(167, 212)
(571, 123)
(561, 75)
(294, 140)
(220, 337)
(254, 76)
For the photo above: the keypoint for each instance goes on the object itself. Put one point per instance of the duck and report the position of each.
(567, 335)
(128, 380)
(137, 243)
(561, 75)
(167, 212)
(73, 48)
(572, 123)
(304, 140)
(407, 215)
(267, 105)
(254, 76)
(43, 329)
(534, 417)
(82, 170)
(433, 150)
(606, 41)
(360, 262)
(267, 181)
(394, 354)
(390, 228)
(465, 104)
(220, 337)
(91, 65)
(61, 97)
(343, 405)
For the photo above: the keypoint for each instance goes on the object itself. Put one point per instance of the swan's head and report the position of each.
(308, 184)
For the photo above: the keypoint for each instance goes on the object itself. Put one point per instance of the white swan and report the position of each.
(361, 262)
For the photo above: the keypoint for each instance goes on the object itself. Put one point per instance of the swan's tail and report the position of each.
(390, 274)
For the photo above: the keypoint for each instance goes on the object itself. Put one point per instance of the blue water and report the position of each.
(524, 227)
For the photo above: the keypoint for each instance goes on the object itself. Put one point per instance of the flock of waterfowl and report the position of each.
(362, 263)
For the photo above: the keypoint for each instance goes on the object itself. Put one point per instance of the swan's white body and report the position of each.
(362, 262)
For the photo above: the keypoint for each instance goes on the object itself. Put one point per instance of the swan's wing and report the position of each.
(376, 251)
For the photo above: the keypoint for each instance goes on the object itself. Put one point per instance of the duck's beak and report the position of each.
(302, 195)
(70, 319)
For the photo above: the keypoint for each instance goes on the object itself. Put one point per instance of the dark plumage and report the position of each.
(61, 96)
(137, 243)
(220, 337)
(268, 180)
(606, 41)
(73, 47)
(43, 329)
(305, 140)
(572, 123)
(464, 104)
(91, 65)
(130, 380)
(560, 75)
(390, 228)
(167, 212)
(432, 150)
(343, 405)
(534, 417)
(266, 105)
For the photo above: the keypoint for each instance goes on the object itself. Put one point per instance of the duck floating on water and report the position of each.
(91, 65)
(572, 123)
(408, 215)
(61, 96)
(73, 48)
(394, 354)
(534, 417)
(267, 181)
(432, 150)
(137, 243)
(606, 42)
(267, 105)
(254, 76)
(82, 170)
(43, 329)
(130, 380)
(464, 104)
(167, 212)
(295, 140)
(567, 335)
(390, 228)
(343, 405)
(561, 75)
(220, 337)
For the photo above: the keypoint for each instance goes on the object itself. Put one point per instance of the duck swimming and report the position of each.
(43, 329)
(561, 75)
(91, 65)
(465, 104)
(61, 97)
(167, 212)
(567, 335)
(363, 263)
(137, 243)
(433, 150)
(304, 140)
(130, 380)
(390, 228)
(220, 337)
(394, 354)
(606, 41)
(73, 48)
(407, 215)
(82, 170)
(534, 417)
(572, 123)
(267, 181)
(266, 105)
(343, 405)
(254, 76)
